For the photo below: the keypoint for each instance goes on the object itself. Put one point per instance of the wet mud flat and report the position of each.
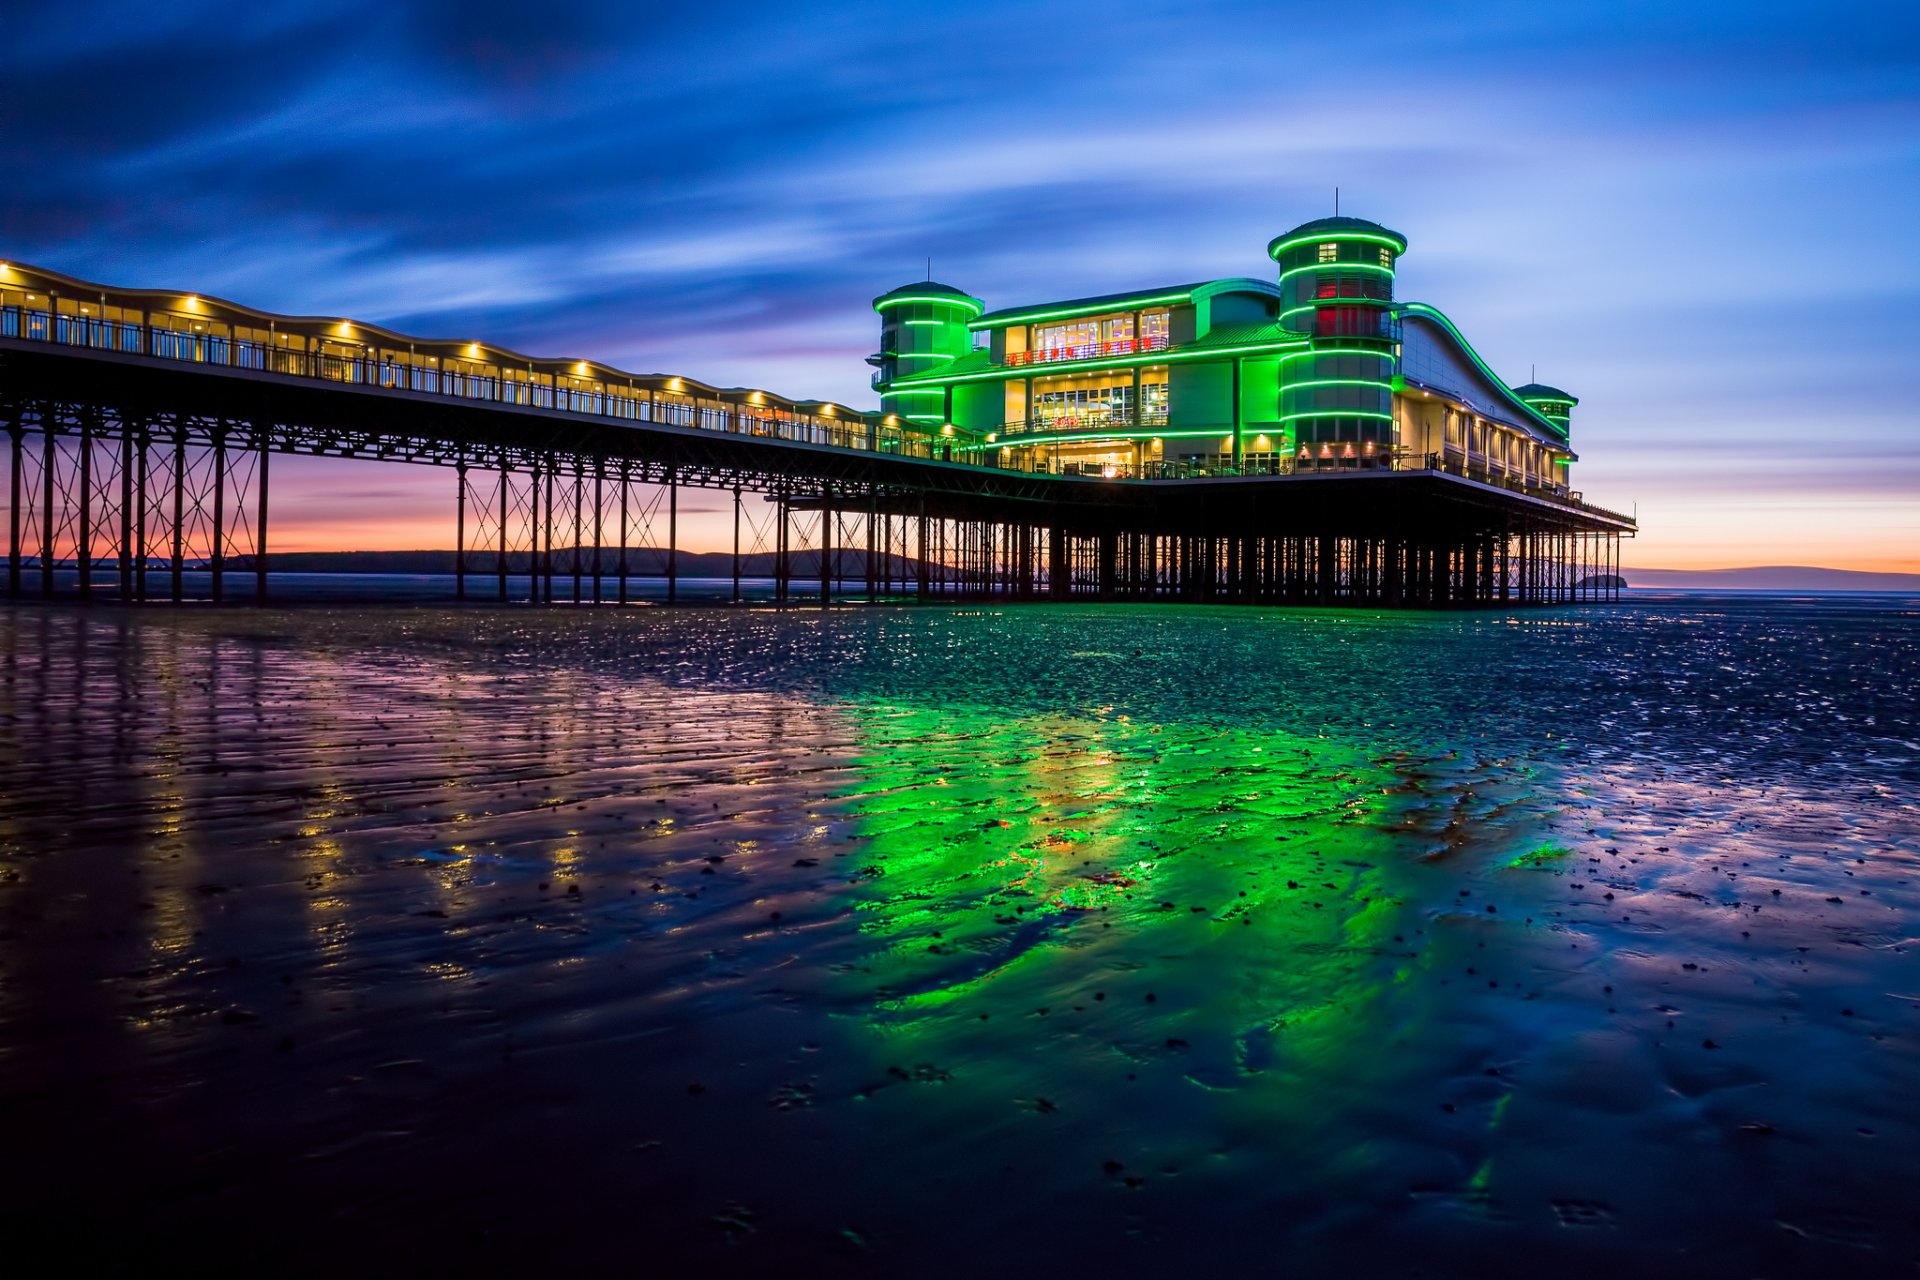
(949, 942)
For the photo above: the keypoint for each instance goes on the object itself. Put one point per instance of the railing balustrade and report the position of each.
(398, 374)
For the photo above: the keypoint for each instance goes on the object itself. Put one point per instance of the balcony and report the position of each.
(1088, 351)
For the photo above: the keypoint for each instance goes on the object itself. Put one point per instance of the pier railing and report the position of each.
(425, 375)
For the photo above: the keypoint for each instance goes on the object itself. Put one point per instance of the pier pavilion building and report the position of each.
(1320, 369)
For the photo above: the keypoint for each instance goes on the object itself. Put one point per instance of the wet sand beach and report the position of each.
(964, 941)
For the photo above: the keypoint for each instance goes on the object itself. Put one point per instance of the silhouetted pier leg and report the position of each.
(83, 539)
(219, 564)
(920, 569)
(17, 455)
(1059, 567)
(673, 535)
(780, 550)
(49, 460)
(736, 544)
(500, 546)
(460, 534)
(626, 478)
(1109, 551)
(178, 559)
(872, 586)
(599, 530)
(579, 526)
(826, 548)
(546, 556)
(533, 533)
(140, 515)
(260, 528)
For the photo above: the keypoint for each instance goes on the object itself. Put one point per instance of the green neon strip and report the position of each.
(1423, 310)
(1065, 367)
(935, 323)
(1033, 438)
(1337, 382)
(1335, 237)
(911, 391)
(1095, 309)
(1328, 267)
(942, 301)
(1367, 352)
(1336, 413)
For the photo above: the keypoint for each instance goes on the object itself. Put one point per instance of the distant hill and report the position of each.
(1775, 577)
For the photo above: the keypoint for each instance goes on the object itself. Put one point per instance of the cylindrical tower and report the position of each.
(923, 327)
(1551, 403)
(1336, 397)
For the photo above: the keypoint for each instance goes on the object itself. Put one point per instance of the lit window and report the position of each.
(1386, 258)
(1329, 252)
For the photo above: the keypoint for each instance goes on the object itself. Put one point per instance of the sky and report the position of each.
(1697, 217)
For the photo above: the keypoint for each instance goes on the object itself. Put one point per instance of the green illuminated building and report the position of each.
(1319, 369)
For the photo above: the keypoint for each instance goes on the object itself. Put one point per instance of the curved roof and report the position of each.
(1334, 229)
(930, 290)
(1541, 391)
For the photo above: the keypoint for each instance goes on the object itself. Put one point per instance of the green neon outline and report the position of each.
(1433, 314)
(1334, 237)
(1367, 352)
(1167, 355)
(1336, 382)
(927, 322)
(1029, 439)
(1337, 413)
(1324, 266)
(1098, 309)
(913, 391)
(943, 300)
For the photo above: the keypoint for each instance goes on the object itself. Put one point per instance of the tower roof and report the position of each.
(1541, 391)
(932, 291)
(1336, 228)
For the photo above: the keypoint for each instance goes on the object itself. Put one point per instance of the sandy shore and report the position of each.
(954, 942)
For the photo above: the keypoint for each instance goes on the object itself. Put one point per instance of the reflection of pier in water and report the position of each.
(136, 447)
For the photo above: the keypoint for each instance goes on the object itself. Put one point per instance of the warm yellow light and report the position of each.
(992, 436)
(581, 368)
(473, 348)
(1262, 443)
(947, 429)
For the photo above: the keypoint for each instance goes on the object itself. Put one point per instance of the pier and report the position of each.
(140, 448)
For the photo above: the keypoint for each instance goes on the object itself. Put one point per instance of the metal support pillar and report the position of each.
(83, 542)
(599, 528)
(500, 550)
(179, 511)
(780, 564)
(673, 535)
(260, 524)
(460, 534)
(826, 548)
(49, 460)
(140, 514)
(546, 555)
(579, 486)
(219, 564)
(736, 544)
(16, 455)
(920, 565)
(626, 479)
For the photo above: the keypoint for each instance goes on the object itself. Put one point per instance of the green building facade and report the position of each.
(1318, 369)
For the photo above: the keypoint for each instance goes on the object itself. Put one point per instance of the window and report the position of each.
(1386, 258)
(1329, 252)
(1156, 328)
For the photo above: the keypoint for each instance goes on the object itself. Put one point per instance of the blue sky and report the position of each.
(1697, 217)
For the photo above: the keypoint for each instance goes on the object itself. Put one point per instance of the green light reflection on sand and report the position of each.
(1227, 878)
